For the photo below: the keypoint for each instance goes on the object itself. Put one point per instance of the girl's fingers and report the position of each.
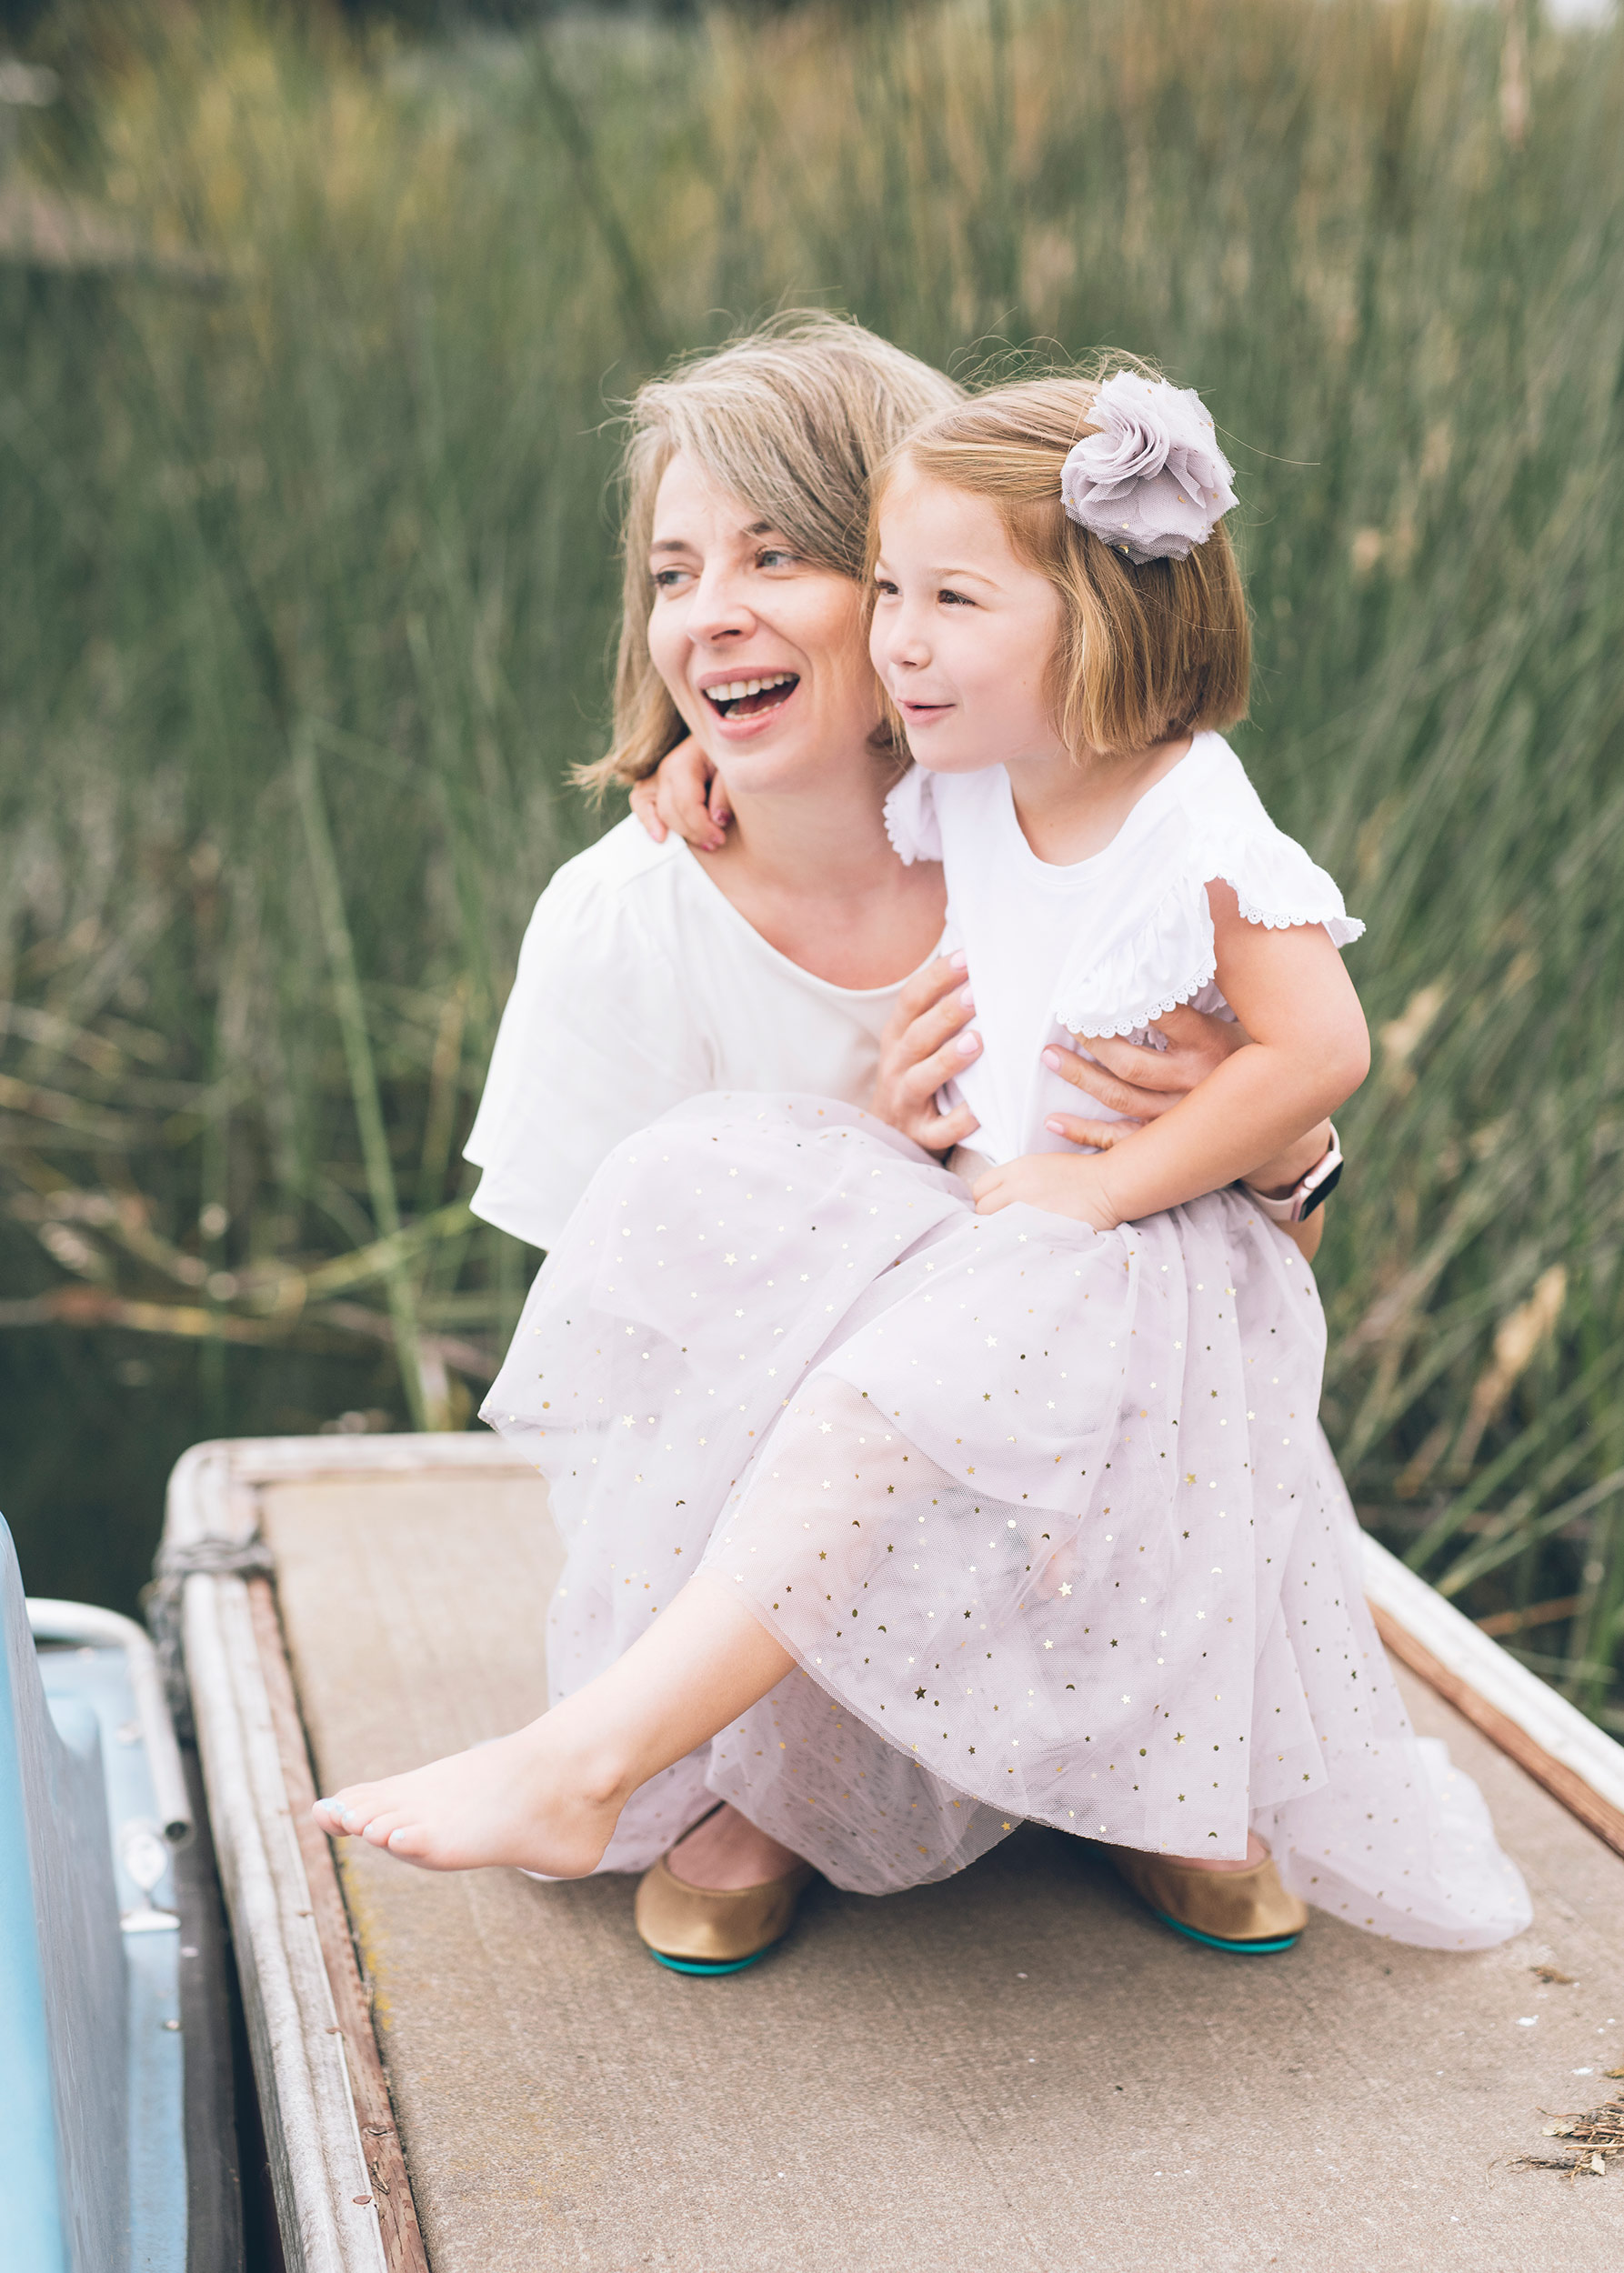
(1099, 1134)
(689, 814)
(645, 801)
(684, 784)
(716, 803)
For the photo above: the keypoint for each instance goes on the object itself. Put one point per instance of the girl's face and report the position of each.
(761, 650)
(963, 631)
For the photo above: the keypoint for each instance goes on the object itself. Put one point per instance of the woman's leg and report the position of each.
(547, 1797)
(726, 1852)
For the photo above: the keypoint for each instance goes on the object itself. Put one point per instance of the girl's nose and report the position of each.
(906, 645)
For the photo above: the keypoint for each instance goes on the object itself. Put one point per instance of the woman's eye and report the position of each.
(668, 579)
(776, 556)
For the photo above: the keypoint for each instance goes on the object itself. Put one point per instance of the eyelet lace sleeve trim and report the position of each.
(1086, 1023)
(1169, 962)
(911, 822)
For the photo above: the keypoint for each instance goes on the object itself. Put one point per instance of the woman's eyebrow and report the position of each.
(670, 544)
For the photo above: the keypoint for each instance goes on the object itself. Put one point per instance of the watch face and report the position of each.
(1327, 1183)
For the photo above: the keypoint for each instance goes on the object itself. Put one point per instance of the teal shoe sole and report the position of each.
(1213, 1941)
(695, 1965)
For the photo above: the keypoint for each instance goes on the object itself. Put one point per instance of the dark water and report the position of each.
(91, 1423)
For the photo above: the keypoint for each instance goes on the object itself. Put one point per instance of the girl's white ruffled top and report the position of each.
(1042, 1516)
(1107, 944)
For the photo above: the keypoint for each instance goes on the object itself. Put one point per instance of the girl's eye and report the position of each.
(884, 588)
(949, 599)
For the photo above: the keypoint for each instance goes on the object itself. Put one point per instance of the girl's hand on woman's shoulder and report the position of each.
(683, 792)
(924, 1044)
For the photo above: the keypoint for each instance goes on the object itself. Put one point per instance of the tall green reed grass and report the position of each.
(305, 584)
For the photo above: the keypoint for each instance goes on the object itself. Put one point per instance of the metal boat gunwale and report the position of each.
(87, 1624)
(303, 2010)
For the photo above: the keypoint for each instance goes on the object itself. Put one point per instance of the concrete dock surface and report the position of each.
(1018, 2069)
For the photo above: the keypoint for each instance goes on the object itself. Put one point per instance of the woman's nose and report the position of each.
(719, 609)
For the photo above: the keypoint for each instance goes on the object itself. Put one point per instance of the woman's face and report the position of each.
(763, 653)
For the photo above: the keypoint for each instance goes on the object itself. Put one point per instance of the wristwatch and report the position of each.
(1305, 1197)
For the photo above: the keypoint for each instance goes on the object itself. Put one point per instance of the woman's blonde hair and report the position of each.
(793, 419)
(1145, 654)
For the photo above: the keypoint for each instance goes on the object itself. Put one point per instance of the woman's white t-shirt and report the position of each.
(640, 984)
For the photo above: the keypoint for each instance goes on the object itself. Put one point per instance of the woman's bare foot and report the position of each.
(534, 1800)
(1256, 1853)
(725, 1853)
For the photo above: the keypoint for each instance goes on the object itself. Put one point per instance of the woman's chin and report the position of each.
(788, 754)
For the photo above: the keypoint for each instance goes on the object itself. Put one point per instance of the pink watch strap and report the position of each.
(1294, 1205)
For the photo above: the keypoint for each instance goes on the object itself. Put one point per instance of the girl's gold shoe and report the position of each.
(712, 1929)
(1245, 1910)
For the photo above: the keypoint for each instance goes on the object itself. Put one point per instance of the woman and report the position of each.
(789, 948)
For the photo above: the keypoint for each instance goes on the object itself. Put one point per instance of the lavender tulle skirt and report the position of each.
(1045, 1517)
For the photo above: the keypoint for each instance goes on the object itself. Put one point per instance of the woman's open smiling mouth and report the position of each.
(745, 697)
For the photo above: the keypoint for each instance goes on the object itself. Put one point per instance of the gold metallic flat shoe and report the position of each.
(714, 1929)
(1245, 1910)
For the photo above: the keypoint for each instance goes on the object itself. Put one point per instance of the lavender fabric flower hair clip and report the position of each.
(1152, 480)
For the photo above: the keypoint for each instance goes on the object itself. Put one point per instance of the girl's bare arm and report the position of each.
(1309, 1051)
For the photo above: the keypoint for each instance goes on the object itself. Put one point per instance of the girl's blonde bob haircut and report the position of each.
(1145, 654)
(793, 419)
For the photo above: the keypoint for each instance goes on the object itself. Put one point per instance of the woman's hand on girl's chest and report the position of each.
(925, 1043)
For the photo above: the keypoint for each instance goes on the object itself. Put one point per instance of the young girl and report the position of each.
(900, 1509)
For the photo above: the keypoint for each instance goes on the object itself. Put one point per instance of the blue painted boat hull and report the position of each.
(93, 2172)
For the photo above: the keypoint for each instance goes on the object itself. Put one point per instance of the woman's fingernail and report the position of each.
(968, 1044)
(966, 994)
(1051, 1058)
(1054, 1128)
(960, 962)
